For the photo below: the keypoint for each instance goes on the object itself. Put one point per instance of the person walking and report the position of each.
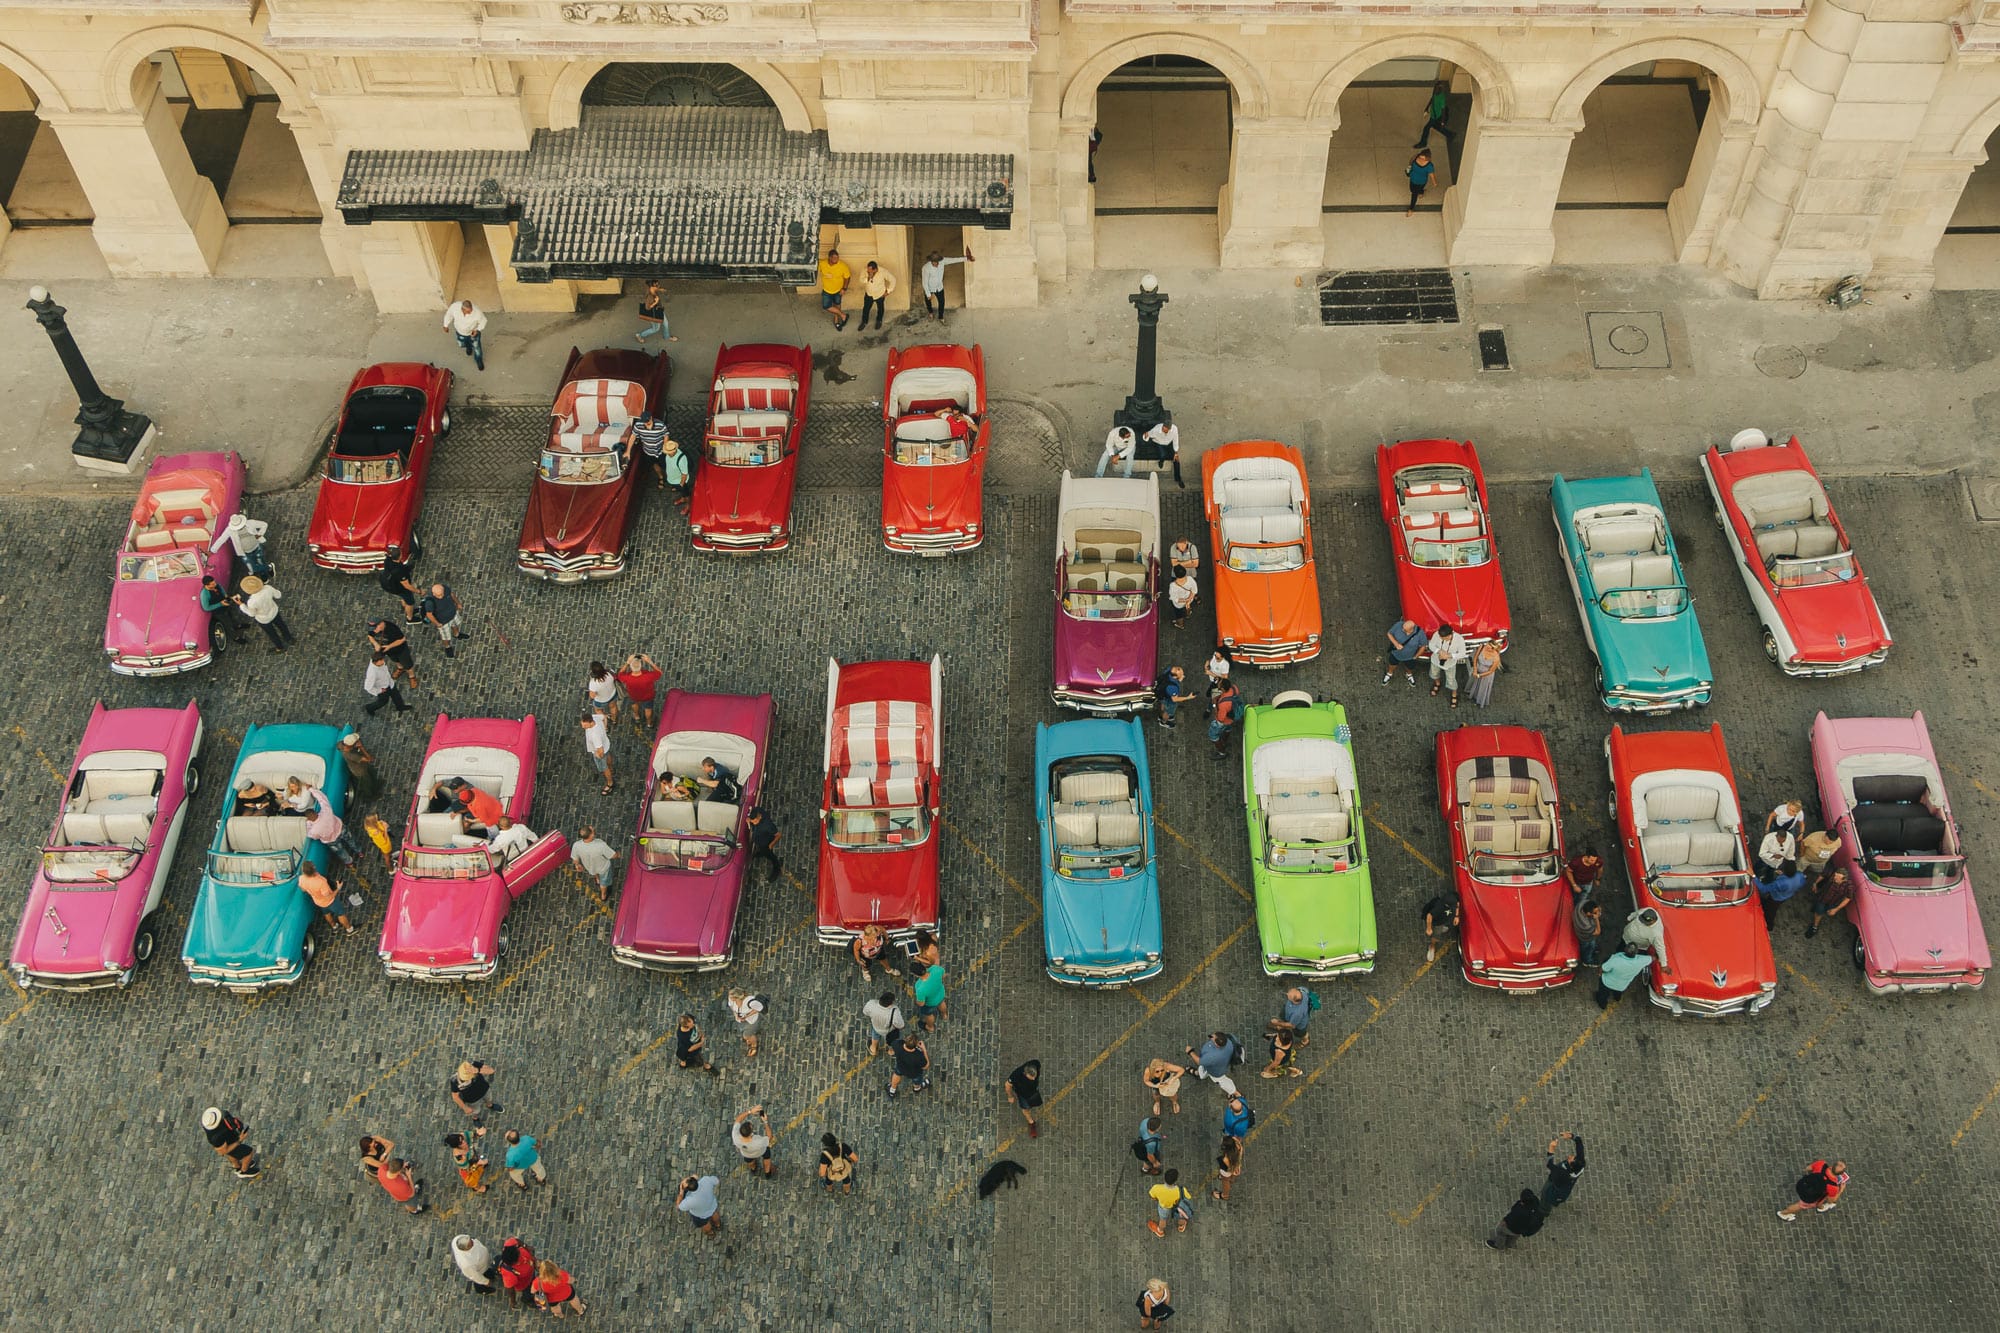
(601, 692)
(834, 275)
(1588, 918)
(1819, 1190)
(747, 1011)
(929, 994)
(885, 1022)
(649, 433)
(466, 322)
(690, 1047)
(1224, 713)
(933, 280)
(751, 1134)
(1565, 1166)
(441, 608)
(1436, 111)
(1283, 1051)
(1295, 1010)
(364, 783)
(377, 829)
(523, 1158)
(379, 683)
(1216, 1055)
(245, 536)
(1485, 670)
(876, 284)
(1419, 173)
(639, 677)
(1228, 1167)
(1619, 971)
(325, 828)
(1150, 1143)
(763, 833)
(1441, 917)
(913, 1062)
(838, 1163)
(391, 643)
(1407, 641)
(1448, 652)
(554, 1291)
(395, 578)
(227, 1137)
(475, 1264)
(697, 1200)
(1120, 447)
(1830, 897)
(471, 1089)
(593, 856)
(468, 1161)
(1167, 694)
(597, 744)
(871, 950)
(1181, 595)
(517, 1269)
(653, 310)
(224, 606)
(260, 603)
(1237, 1117)
(400, 1183)
(1161, 445)
(1154, 1310)
(1024, 1092)
(1524, 1219)
(1163, 1079)
(325, 896)
(1171, 1201)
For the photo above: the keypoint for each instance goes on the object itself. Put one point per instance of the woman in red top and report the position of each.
(1819, 1189)
(553, 1290)
(517, 1268)
(640, 679)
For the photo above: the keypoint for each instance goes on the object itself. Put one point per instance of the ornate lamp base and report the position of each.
(115, 442)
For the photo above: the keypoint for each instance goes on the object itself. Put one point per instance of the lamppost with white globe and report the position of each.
(108, 438)
(1143, 409)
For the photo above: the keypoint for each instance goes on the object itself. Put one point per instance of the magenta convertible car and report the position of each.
(104, 866)
(156, 626)
(1107, 589)
(1882, 795)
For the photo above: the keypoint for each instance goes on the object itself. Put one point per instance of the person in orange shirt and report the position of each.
(1819, 1189)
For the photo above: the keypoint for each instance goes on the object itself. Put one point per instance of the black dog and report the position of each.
(1001, 1173)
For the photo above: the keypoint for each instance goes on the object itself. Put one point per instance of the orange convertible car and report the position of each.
(1260, 537)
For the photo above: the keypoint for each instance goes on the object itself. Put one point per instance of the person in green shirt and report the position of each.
(833, 277)
(929, 991)
(1620, 970)
(1438, 109)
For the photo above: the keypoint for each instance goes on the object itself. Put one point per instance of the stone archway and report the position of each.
(566, 98)
(38, 186)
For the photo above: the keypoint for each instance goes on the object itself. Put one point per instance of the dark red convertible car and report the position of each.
(580, 504)
(750, 452)
(372, 484)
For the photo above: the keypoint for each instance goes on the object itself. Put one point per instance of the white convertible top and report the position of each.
(1886, 764)
(1130, 504)
(921, 384)
(1311, 757)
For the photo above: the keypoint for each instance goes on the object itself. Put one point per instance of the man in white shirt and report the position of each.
(1776, 854)
(1165, 439)
(1645, 931)
(380, 685)
(247, 536)
(509, 840)
(597, 743)
(1119, 447)
(466, 322)
(933, 279)
(1181, 594)
(1448, 652)
(475, 1263)
(260, 603)
(1217, 671)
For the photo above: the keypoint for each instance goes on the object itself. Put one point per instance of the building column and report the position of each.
(410, 267)
(558, 295)
(154, 213)
(211, 82)
(1920, 207)
(1502, 208)
(1695, 211)
(1076, 195)
(1005, 276)
(323, 168)
(14, 96)
(1270, 205)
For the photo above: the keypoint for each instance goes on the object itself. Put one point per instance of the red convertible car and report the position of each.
(372, 484)
(934, 449)
(1673, 799)
(1497, 790)
(750, 451)
(878, 847)
(580, 504)
(1819, 616)
(1447, 566)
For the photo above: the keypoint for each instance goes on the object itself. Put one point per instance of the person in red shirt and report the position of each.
(640, 679)
(394, 1176)
(517, 1268)
(1819, 1189)
(483, 806)
(554, 1291)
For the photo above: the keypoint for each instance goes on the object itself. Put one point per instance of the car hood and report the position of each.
(253, 927)
(1833, 622)
(1470, 597)
(76, 941)
(1921, 932)
(743, 499)
(1517, 925)
(151, 618)
(577, 520)
(916, 498)
(1094, 653)
(351, 517)
(1702, 941)
(851, 883)
(679, 913)
(1317, 915)
(1278, 607)
(443, 922)
(1650, 655)
(1101, 922)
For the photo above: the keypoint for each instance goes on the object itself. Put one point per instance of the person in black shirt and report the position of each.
(386, 639)
(763, 835)
(1440, 920)
(1024, 1090)
(1525, 1218)
(395, 580)
(837, 1163)
(689, 1047)
(471, 1086)
(718, 783)
(912, 1062)
(225, 1134)
(1564, 1168)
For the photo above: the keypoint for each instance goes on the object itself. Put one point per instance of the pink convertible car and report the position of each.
(684, 885)
(104, 864)
(157, 626)
(1883, 797)
(449, 900)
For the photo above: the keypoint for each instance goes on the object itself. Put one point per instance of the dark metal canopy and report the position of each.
(683, 192)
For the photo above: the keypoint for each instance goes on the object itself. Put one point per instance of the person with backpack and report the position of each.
(1295, 1013)
(1222, 720)
(1216, 1055)
(1238, 1119)
(1172, 1201)
(837, 1163)
(1819, 1190)
(748, 1011)
(1525, 1218)
(1152, 1137)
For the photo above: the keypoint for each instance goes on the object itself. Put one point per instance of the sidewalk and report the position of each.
(1909, 386)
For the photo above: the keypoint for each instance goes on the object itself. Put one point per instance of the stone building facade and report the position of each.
(1821, 138)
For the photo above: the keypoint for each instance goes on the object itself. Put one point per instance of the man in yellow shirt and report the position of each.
(833, 278)
(1171, 1201)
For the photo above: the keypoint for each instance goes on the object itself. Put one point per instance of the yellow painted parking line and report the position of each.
(775, 945)
(1802, 979)
(386, 1075)
(1031, 899)
(1973, 1119)
(47, 763)
(1206, 864)
(827, 1094)
(1140, 996)
(1019, 929)
(19, 989)
(18, 1012)
(1422, 860)
(1984, 790)
(1964, 1128)
(642, 1056)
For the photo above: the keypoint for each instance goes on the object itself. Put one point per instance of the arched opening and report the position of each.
(1968, 256)
(1387, 114)
(38, 187)
(229, 121)
(1160, 160)
(632, 84)
(1649, 137)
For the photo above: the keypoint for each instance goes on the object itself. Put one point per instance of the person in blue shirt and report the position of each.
(1620, 970)
(1419, 171)
(1151, 1137)
(1236, 1121)
(1406, 644)
(524, 1159)
(1172, 689)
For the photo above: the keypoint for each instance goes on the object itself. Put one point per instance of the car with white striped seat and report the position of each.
(748, 474)
(935, 438)
(1433, 501)
(581, 501)
(883, 786)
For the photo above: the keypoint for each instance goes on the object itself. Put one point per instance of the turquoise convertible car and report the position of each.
(1100, 886)
(1626, 576)
(251, 924)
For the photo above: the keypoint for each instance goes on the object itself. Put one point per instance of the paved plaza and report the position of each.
(1369, 1182)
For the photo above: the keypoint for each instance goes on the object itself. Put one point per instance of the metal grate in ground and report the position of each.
(1388, 296)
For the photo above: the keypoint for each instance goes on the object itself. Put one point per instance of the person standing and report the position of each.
(593, 856)
(1524, 1219)
(375, 1150)
(1096, 138)
(933, 279)
(752, 1136)
(246, 536)
(1237, 1117)
(871, 950)
(1440, 922)
(471, 1089)
(1185, 554)
(1620, 970)
(1283, 1053)
(523, 1159)
(876, 284)
(325, 828)
(1419, 173)
(1830, 897)
(1448, 652)
(1645, 932)
(1816, 851)
(1228, 1167)
(639, 677)
(224, 606)
(1776, 854)
(1215, 1057)
(697, 1200)
(1789, 817)
(748, 1011)
(1163, 1079)
(677, 468)
(466, 1159)
(1172, 1202)
(833, 278)
(554, 1291)
(1152, 1139)
(763, 844)
(653, 310)
(1436, 111)
(475, 1264)
(1588, 918)
(1777, 883)
(1217, 670)
(1406, 644)
(1181, 595)
(885, 1022)
(466, 322)
(362, 780)
(260, 603)
(929, 994)
(1819, 1190)
(600, 691)
(1565, 1165)
(1120, 447)
(377, 829)
(226, 1135)
(1295, 1011)
(379, 683)
(650, 434)
(1168, 694)
(597, 744)
(325, 896)
(1582, 871)
(1485, 670)
(441, 608)
(690, 1047)
(400, 1184)
(1024, 1091)
(838, 1163)
(395, 579)
(913, 1062)
(1163, 443)
(386, 639)
(1154, 1311)
(517, 1268)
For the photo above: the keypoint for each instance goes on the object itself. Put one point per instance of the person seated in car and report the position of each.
(444, 797)
(482, 809)
(674, 787)
(298, 798)
(509, 840)
(717, 783)
(955, 420)
(255, 799)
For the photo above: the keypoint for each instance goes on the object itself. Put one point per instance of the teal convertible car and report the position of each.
(1100, 886)
(1626, 576)
(251, 924)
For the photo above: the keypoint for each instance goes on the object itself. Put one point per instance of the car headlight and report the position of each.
(777, 527)
(314, 547)
(892, 529)
(1057, 961)
(111, 652)
(1152, 957)
(1228, 642)
(1767, 985)
(284, 961)
(1479, 964)
(695, 528)
(1312, 638)
(1671, 988)
(1367, 953)
(188, 644)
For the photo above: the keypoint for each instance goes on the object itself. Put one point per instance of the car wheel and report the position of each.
(142, 943)
(1860, 955)
(307, 949)
(218, 638)
(500, 945)
(1611, 808)
(191, 780)
(1771, 647)
(416, 544)
(1720, 522)
(444, 424)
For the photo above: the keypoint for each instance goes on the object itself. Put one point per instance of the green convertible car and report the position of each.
(1309, 852)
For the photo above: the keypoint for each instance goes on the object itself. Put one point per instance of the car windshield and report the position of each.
(880, 829)
(364, 471)
(1515, 867)
(1915, 873)
(1700, 889)
(87, 867)
(592, 468)
(250, 869)
(158, 566)
(1789, 572)
(1082, 604)
(687, 851)
(743, 453)
(446, 862)
(1264, 559)
(1450, 554)
(1644, 603)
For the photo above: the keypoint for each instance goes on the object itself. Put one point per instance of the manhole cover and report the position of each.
(1780, 362)
(1628, 340)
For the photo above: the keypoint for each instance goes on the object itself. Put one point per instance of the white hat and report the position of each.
(236, 522)
(211, 1117)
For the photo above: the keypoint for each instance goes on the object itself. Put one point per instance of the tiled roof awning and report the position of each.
(675, 192)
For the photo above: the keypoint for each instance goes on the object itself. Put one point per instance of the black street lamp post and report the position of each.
(1143, 409)
(108, 435)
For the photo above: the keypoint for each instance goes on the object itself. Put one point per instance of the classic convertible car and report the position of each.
(1107, 587)
(684, 880)
(935, 435)
(1100, 885)
(1626, 576)
(156, 626)
(446, 916)
(251, 926)
(1673, 798)
(1882, 795)
(749, 468)
(372, 484)
(1818, 613)
(581, 500)
(1497, 792)
(878, 840)
(1308, 843)
(1433, 497)
(88, 920)
(1260, 528)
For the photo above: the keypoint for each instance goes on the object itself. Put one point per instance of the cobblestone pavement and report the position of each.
(1369, 1182)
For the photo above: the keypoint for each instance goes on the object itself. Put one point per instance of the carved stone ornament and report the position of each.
(619, 11)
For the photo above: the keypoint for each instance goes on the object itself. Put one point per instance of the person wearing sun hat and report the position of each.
(260, 603)
(226, 1136)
